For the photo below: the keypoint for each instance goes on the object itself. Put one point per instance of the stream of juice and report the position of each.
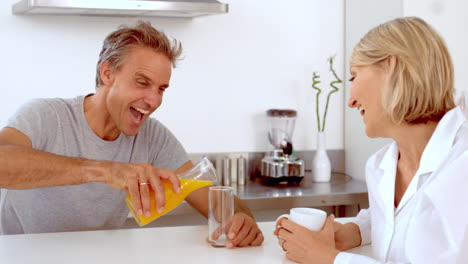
(172, 199)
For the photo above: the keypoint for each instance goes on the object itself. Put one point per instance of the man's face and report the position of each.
(137, 88)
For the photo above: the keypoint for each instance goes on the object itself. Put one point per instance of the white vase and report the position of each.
(321, 168)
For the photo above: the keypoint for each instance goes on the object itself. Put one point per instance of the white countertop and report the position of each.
(143, 245)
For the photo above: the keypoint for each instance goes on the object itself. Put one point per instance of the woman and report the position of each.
(403, 87)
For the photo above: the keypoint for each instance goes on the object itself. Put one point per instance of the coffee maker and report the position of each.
(280, 165)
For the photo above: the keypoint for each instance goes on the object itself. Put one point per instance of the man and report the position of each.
(59, 157)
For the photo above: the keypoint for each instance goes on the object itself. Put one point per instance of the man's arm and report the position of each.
(22, 167)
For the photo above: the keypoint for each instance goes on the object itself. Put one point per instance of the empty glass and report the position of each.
(221, 211)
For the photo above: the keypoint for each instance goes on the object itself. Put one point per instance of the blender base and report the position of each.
(286, 180)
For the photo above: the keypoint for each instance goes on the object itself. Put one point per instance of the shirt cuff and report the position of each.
(365, 230)
(343, 258)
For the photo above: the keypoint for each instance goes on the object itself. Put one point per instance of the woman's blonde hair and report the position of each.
(422, 86)
(144, 35)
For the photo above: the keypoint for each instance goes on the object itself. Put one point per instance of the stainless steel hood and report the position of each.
(144, 8)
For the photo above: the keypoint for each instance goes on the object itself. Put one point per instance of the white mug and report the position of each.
(313, 219)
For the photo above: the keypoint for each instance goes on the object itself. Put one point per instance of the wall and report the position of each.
(360, 17)
(449, 18)
(259, 56)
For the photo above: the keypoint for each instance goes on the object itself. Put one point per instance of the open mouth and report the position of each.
(138, 113)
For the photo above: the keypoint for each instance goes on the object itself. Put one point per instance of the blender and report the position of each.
(280, 165)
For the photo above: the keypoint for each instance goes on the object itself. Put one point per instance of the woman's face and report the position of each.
(366, 95)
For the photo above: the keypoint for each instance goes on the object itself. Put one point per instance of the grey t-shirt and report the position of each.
(59, 126)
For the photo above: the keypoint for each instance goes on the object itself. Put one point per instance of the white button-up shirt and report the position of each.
(430, 223)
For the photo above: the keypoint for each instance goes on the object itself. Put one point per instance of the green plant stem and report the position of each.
(315, 81)
(335, 89)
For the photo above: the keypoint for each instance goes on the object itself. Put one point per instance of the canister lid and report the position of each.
(282, 113)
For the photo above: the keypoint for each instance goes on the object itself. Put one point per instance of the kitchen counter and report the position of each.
(183, 244)
(341, 190)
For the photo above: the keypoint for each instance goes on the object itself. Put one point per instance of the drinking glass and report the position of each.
(221, 212)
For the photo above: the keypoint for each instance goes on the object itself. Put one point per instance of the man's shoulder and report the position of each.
(52, 103)
(38, 109)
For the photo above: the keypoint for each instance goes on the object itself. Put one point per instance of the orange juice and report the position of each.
(172, 199)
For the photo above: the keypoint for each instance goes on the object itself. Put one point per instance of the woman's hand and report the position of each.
(347, 236)
(305, 246)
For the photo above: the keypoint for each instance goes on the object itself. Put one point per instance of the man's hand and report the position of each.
(244, 232)
(137, 179)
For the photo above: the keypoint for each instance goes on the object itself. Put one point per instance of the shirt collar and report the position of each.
(386, 179)
(388, 162)
(437, 148)
(441, 141)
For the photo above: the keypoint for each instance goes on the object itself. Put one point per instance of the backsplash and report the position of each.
(236, 168)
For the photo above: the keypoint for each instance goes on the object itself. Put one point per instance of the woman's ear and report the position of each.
(106, 72)
(390, 64)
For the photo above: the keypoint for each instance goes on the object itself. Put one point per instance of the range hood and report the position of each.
(144, 8)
